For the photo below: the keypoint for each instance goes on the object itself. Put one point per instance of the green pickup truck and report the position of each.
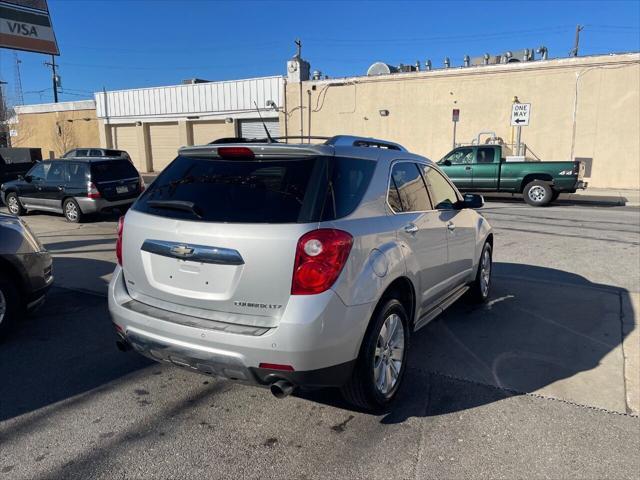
(482, 168)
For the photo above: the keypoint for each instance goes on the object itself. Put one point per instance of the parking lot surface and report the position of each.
(540, 382)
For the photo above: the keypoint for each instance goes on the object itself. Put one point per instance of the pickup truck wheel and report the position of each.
(538, 193)
(382, 361)
(481, 286)
(10, 304)
(13, 204)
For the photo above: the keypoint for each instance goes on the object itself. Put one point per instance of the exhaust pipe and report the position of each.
(123, 345)
(281, 388)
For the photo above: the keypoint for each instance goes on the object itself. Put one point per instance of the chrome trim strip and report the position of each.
(189, 321)
(195, 253)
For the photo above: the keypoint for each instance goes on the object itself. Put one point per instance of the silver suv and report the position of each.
(300, 265)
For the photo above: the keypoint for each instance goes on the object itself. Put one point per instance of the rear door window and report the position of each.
(286, 190)
(111, 170)
(95, 153)
(57, 173)
(77, 173)
(82, 153)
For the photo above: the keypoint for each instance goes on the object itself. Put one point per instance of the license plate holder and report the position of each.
(122, 189)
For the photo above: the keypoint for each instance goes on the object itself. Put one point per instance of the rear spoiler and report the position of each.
(262, 150)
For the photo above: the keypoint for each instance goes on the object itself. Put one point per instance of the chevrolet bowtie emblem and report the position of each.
(182, 250)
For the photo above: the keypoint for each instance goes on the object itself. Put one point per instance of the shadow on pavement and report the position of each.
(64, 349)
(544, 330)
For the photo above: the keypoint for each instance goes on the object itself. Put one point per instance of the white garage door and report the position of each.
(207, 132)
(124, 137)
(254, 128)
(164, 141)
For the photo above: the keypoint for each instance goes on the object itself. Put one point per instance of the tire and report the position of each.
(10, 305)
(554, 196)
(481, 286)
(13, 204)
(363, 390)
(72, 211)
(537, 193)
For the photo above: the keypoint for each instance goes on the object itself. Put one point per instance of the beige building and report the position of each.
(152, 123)
(585, 108)
(55, 127)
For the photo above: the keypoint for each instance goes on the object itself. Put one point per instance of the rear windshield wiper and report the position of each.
(182, 205)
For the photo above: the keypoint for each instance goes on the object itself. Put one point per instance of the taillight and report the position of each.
(320, 257)
(119, 240)
(92, 190)
(143, 185)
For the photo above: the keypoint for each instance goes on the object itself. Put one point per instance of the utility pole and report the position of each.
(18, 81)
(299, 56)
(576, 44)
(54, 76)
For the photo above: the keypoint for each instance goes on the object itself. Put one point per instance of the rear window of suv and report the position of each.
(287, 190)
(110, 170)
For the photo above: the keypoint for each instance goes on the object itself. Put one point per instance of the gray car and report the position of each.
(25, 271)
(296, 265)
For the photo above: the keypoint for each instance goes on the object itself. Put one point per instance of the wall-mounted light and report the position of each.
(138, 124)
(228, 120)
(384, 113)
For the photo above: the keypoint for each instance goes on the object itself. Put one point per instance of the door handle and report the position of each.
(468, 168)
(60, 187)
(410, 228)
(451, 227)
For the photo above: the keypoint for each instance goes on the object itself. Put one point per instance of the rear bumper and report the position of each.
(318, 336)
(96, 205)
(581, 185)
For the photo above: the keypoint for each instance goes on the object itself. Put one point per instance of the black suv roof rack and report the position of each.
(337, 141)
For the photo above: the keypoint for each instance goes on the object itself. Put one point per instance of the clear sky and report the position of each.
(126, 44)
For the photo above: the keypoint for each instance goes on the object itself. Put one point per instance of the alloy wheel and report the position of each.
(485, 273)
(71, 211)
(12, 205)
(389, 355)
(537, 193)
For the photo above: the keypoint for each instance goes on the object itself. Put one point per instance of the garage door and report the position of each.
(207, 132)
(125, 138)
(254, 128)
(164, 141)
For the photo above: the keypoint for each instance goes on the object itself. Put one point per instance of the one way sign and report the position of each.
(520, 114)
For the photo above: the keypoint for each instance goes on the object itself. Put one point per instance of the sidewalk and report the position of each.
(629, 198)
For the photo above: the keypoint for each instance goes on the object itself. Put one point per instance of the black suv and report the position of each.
(76, 187)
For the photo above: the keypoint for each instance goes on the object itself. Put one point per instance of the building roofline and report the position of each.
(553, 63)
(55, 107)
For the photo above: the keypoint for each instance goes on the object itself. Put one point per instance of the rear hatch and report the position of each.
(115, 179)
(216, 238)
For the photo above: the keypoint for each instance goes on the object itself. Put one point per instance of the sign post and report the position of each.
(455, 117)
(520, 115)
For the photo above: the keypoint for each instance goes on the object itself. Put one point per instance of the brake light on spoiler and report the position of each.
(235, 152)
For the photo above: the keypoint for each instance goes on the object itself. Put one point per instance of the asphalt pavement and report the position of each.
(542, 382)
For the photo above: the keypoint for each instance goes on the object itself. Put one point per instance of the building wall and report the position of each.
(585, 107)
(55, 131)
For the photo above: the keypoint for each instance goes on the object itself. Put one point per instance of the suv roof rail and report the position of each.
(353, 141)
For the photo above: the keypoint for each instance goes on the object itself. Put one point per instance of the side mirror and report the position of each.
(28, 178)
(472, 200)
(447, 163)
